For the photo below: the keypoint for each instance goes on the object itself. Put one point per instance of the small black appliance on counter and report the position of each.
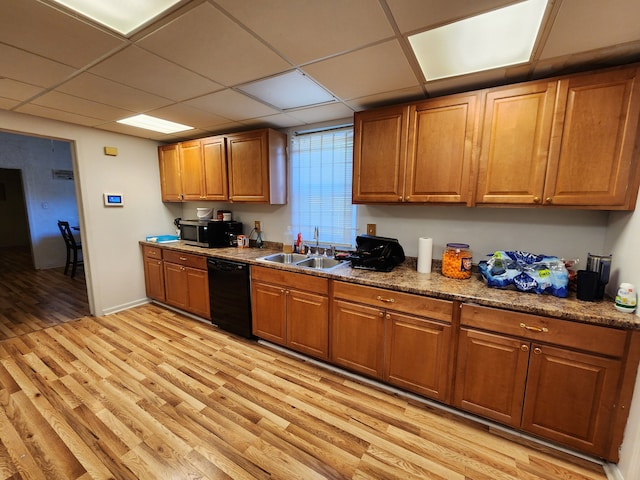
(376, 253)
(209, 233)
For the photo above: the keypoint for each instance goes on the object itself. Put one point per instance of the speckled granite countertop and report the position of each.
(405, 278)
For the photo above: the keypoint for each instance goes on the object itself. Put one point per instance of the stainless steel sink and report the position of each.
(321, 263)
(284, 257)
(299, 260)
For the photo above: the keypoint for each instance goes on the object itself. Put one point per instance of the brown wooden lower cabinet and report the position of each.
(291, 309)
(417, 355)
(357, 338)
(187, 282)
(400, 338)
(558, 380)
(153, 272)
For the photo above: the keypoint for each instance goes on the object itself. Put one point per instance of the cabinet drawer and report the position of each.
(186, 259)
(152, 252)
(592, 338)
(392, 300)
(299, 281)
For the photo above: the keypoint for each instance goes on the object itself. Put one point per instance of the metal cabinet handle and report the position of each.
(536, 199)
(381, 314)
(537, 350)
(534, 328)
(184, 259)
(385, 300)
(524, 348)
(408, 198)
(549, 199)
(387, 316)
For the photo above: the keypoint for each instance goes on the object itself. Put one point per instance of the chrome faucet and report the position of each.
(316, 237)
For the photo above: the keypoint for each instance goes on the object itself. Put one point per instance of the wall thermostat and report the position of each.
(113, 200)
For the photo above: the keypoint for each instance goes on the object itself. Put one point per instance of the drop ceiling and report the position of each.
(189, 66)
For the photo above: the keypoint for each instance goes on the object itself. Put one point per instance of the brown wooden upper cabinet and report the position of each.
(194, 170)
(515, 143)
(565, 142)
(560, 142)
(257, 166)
(170, 178)
(241, 167)
(420, 153)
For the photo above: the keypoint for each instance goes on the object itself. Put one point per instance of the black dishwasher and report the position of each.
(229, 295)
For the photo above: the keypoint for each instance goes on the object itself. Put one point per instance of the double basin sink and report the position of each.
(299, 260)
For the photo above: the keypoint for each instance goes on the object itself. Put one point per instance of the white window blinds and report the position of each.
(321, 174)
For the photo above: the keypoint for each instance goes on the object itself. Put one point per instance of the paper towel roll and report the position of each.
(425, 251)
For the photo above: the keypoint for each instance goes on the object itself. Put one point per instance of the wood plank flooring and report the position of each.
(151, 394)
(32, 299)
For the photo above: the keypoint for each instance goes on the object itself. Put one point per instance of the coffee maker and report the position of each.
(593, 280)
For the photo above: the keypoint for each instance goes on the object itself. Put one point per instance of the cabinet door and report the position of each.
(248, 157)
(170, 180)
(269, 309)
(571, 397)
(357, 338)
(191, 167)
(515, 144)
(176, 287)
(379, 155)
(308, 323)
(592, 160)
(214, 159)
(154, 278)
(441, 140)
(198, 292)
(417, 355)
(490, 376)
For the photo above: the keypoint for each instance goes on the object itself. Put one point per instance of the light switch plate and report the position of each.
(371, 228)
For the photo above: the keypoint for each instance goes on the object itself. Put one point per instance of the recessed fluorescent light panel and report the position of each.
(289, 90)
(156, 124)
(494, 39)
(123, 16)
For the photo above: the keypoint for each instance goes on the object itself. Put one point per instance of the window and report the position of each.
(321, 172)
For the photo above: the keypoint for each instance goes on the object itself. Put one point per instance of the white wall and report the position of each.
(623, 238)
(563, 233)
(110, 236)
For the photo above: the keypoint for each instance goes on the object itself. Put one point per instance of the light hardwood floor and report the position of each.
(149, 393)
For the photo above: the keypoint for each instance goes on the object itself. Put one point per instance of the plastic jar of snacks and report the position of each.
(456, 261)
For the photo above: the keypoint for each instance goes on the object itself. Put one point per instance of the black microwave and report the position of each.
(209, 233)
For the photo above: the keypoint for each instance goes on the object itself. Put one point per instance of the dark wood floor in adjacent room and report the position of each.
(148, 393)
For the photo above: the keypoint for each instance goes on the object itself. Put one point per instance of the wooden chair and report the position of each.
(73, 247)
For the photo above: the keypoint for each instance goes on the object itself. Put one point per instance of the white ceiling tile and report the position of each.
(280, 120)
(40, 111)
(418, 15)
(206, 41)
(232, 105)
(304, 31)
(8, 103)
(138, 68)
(387, 98)
(369, 71)
(583, 25)
(53, 34)
(322, 113)
(32, 69)
(81, 106)
(106, 91)
(17, 90)
(188, 115)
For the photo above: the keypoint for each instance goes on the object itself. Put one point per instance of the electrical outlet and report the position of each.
(371, 228)
(257, 225)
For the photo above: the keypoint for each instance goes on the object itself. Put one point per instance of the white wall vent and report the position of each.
(63, 174)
